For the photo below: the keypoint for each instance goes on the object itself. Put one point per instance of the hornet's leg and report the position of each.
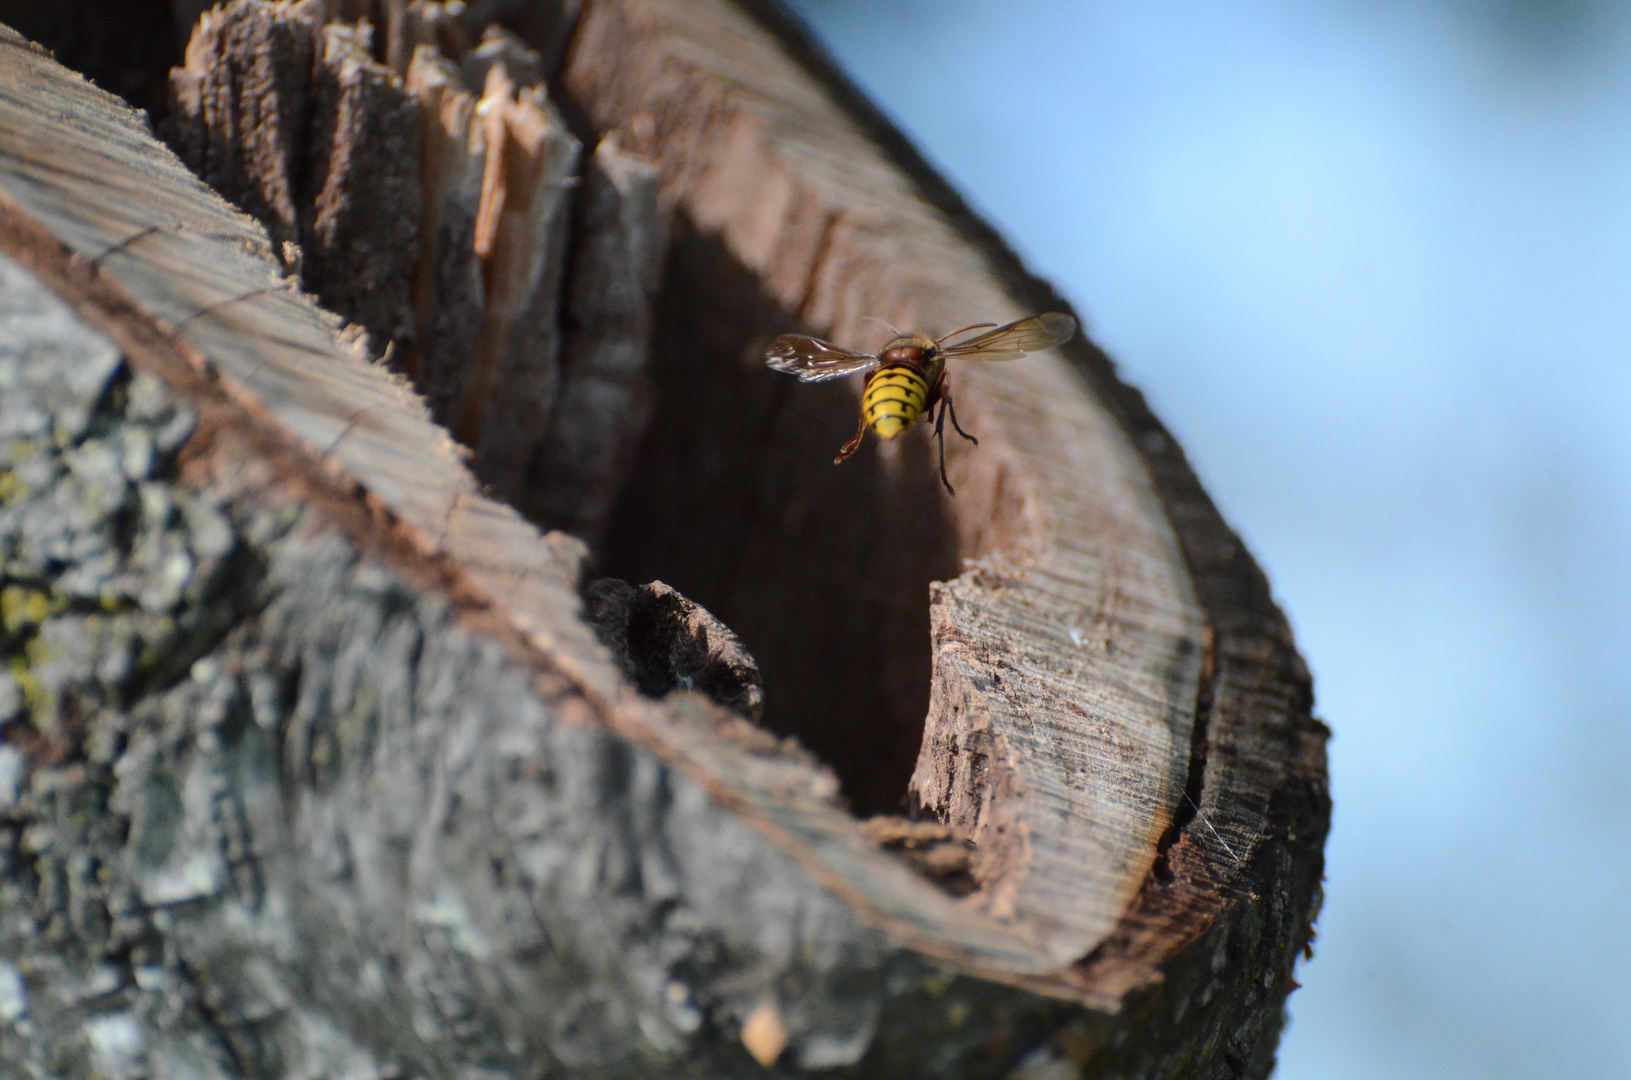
(853, 445)
(947, 395)
(946, 406)
(939, 437)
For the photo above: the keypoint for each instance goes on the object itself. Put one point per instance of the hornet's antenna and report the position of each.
(883, 322)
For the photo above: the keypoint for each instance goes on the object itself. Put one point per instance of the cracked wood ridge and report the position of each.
(323, 754)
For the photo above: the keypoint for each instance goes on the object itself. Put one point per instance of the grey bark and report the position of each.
(285, 818)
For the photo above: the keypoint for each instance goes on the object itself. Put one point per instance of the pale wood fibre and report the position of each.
(521, 237)
(449, 290)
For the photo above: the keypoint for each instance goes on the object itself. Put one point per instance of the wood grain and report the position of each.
(521, 239)
(606, 394)
(449, 288)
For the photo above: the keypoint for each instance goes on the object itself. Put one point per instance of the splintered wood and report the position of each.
(361, 234)
(241, 110)
(449, 292)
(429, 199)
(521, 239)
(409, 26)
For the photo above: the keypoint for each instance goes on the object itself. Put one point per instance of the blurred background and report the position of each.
(1371, 262)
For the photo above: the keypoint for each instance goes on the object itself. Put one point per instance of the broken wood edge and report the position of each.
(394, 153)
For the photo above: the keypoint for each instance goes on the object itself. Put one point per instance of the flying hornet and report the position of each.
(907, 378)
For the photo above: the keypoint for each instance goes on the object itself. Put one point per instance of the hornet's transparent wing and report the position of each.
(1016, 339)
(814, 360)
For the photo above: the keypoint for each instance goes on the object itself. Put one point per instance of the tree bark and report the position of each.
(317, 760)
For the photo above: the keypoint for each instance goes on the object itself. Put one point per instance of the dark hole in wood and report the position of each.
(126, 47)
(823, 571)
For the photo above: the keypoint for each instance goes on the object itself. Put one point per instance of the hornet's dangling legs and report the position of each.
(943, 393)
(853, 445)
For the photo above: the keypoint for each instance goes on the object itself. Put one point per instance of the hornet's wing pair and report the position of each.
(814, 360)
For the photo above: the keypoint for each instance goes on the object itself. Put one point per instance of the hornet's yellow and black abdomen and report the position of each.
(895, 397)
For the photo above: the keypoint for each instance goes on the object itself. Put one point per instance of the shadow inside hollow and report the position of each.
(822, 571)
(126, 47)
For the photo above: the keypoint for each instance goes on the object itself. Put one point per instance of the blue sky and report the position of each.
(1371, 262)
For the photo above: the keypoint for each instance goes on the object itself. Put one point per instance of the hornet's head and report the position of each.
(912, 349)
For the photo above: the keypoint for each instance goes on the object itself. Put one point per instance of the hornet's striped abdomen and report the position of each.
(895, 397)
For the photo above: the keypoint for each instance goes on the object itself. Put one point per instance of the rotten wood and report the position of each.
(1117, 745)
(664, 642)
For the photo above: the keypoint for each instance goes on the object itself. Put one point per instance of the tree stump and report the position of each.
(326, 750)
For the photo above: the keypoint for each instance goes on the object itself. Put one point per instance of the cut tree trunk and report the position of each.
(324, 755)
